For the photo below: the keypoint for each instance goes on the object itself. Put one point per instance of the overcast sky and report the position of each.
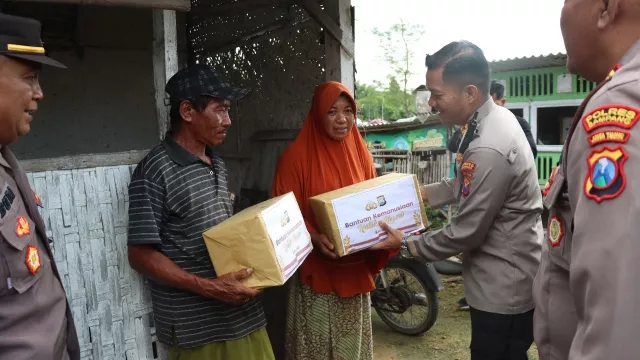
(502, 28)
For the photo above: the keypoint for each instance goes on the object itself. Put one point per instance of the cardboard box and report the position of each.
(350, 216)
(270, 237)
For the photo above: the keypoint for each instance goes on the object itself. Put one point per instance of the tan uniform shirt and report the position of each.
(35, 321)
(555, 316)
(603, 255)
(498, 225)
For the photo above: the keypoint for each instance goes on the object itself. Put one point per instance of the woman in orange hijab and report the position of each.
(329, 310)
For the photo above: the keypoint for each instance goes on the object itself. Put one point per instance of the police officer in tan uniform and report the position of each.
(586, 291)
(35, 318)
(498, 224)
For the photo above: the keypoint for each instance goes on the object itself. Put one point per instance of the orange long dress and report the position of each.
(329, 314)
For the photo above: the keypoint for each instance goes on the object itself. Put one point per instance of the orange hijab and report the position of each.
(314, 164)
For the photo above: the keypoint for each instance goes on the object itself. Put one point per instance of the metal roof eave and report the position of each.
(430, 120)
(531, 62)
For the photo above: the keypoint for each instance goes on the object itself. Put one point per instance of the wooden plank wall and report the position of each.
(85, 212)
(401, 160)
(428, 166)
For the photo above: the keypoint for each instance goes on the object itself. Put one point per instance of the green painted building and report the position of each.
(425, 138)
(541, 90)
(397, 138)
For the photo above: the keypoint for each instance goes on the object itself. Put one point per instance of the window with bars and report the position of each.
(542, 84)
(531, 85)
(584, 86)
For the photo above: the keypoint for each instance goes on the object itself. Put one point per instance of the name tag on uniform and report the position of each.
(6, 200)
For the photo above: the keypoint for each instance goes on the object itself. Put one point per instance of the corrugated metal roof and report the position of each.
(376, 122)
(531, 62)
(380, 122)
(427, 119)
(389, 124)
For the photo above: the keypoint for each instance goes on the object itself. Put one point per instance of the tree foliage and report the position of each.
(380, 101)
(398, 43)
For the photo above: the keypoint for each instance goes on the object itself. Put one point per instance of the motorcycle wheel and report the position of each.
(430, 299)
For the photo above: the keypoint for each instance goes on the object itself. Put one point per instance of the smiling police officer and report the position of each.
(498, 225)
(35, 319)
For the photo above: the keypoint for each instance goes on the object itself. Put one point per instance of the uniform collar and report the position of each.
(181, 155)
(480, 113)
(3, 161)
(485, 109)
(633, 51)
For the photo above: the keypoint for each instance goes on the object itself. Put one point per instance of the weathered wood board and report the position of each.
(85, 212)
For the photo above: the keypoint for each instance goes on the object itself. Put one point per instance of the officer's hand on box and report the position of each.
(228, 287)
(392, 242)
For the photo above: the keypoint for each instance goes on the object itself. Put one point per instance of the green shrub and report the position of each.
(436, 219)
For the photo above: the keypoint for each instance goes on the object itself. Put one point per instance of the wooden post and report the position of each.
(339, 62)
(165, 61)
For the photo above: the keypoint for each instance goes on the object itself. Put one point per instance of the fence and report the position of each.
(428, 166)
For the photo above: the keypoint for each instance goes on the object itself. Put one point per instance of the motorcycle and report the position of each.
(405, 296)
(406, 286)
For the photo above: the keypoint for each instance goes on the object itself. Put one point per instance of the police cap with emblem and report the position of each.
(20, 39)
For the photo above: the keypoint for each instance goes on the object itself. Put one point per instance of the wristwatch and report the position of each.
(404, 248)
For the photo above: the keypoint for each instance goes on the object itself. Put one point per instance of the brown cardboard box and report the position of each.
(270, 237)
(350, 216)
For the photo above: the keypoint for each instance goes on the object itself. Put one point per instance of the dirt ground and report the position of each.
(448, 339)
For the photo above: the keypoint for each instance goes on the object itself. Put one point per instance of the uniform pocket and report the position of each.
(25, 259)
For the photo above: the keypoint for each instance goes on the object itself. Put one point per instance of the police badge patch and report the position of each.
(22, 227)
(616, 136)
(555, 231)
(552, 178)
(467, 168)
(620, 116)
(605, 178)
(38, 200)
(33, 259)
(466, 185)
